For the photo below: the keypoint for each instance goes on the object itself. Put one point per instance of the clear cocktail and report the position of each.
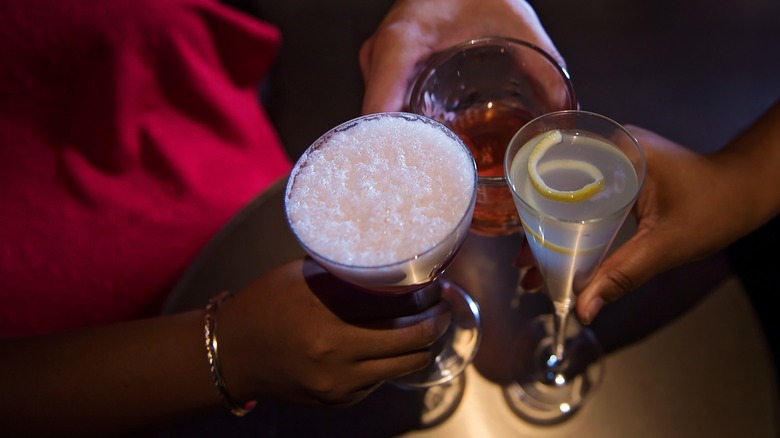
(570, 233)
(574, 176)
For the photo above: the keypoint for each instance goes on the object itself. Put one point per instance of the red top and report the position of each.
(130, 132)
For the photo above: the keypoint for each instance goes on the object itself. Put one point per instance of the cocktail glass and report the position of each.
(574, 176)
(384, 202)
(485, 90)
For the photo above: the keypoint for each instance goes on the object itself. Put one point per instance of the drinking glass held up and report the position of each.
(485, 90)
(574, 176)
(384, 202)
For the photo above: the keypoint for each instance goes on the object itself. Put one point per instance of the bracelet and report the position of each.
(212, 354)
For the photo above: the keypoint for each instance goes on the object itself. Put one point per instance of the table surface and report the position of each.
(684, 355)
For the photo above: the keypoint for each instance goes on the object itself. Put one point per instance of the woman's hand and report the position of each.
(691, 206)
(299, 333)
(415, 29)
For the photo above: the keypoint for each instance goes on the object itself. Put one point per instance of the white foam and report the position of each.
(381, 192)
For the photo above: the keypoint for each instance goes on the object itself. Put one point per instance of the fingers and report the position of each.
(630, 266)
(387, 72)
(381, 354)
(412, 31)
(397, 366)
(348, 386)
(365, 326)
(398, 336)
(358, 307)
(410, 348)
(675, 223)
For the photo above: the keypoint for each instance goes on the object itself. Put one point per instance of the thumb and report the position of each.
(630, 266)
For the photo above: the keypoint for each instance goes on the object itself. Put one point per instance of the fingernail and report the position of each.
(593, 309)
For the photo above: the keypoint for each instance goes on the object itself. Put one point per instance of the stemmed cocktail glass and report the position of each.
(574, 176)
(384, 202)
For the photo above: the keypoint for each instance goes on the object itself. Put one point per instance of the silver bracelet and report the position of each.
(212, 354)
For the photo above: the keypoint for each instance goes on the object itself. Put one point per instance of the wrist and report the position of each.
(236, 400)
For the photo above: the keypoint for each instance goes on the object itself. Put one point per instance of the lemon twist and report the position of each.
(535, 170)
(539, 238)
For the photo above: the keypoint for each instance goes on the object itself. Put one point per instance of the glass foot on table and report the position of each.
(440, 401)
(545, 394)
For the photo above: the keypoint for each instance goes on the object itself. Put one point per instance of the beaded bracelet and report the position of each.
(212, 354)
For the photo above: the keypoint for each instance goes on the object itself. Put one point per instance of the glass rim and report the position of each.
(322, 140)
(492, 180)
(442, 56)
(618, 210)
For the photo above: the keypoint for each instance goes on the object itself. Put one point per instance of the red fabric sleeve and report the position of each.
(130, 131)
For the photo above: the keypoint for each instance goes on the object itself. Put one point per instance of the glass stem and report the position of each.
(562, 312)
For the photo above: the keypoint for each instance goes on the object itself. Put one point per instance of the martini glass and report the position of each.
(384, 202)
(574, 176)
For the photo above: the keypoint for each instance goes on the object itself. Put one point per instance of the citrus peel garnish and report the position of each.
(539, 238)
(535, 170)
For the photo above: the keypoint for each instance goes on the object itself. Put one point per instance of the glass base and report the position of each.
(441, 401)
(546, 393)
(456, 348)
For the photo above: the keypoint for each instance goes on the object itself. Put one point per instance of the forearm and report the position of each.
(753, 163)
(111, 379)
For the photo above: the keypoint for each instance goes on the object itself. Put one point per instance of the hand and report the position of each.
(415, 29)
(301, 334)
(682, 215)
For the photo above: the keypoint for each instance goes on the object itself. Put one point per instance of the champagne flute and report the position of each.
(574, 176)
(384, 202)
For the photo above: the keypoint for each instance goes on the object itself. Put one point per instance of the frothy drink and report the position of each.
(381, 200)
